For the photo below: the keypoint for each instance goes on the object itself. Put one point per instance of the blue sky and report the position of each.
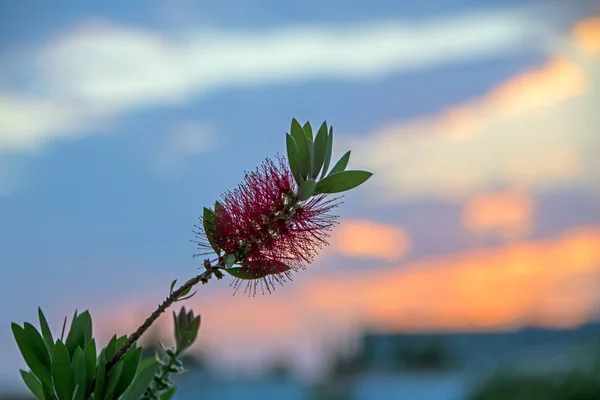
(121, 121)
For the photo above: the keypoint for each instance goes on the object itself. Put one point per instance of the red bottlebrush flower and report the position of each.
(267, 229)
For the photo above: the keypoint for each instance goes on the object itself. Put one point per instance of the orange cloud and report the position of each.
(534, 130)
(508, 213)
(553, 282)
(557, 80)
(587, 35)
(364, 238)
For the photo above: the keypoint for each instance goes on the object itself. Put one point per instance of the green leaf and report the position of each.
(100, 376)
(113, 380)
(111, 347)
(90, 364)
(342, 181)
(46, 333)
(61, 371)
(120, 342)
(33, 384)
(35, 359)
(79, 374)
(257, 273)
(311, 157)
(172, 286)
(80, 333)
(307, 189)
(76, 395)
(168, 395)
(209, 222)
(341, 164)
(141, 381)
(319, 150)
(229, 260)
(131, 361)
(328, 151)
(292, 153)
(308, 130)
(302, 146)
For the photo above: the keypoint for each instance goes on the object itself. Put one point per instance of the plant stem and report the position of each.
(174, 296)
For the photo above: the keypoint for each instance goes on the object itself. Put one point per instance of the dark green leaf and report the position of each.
(61, 371)
(46, 333)
(168, 395)
(311, 156)
(79, 374)
(229, 260)
(341, 164)
(186, 297)
(302, 146)
(308, 130)
(120, 342)
(131, 361)
(62, 334)
(292, 153)
(80, 332)
(39, 364)
(328, 152)
(113, 380)
(111, 347)
(210, 228)
(307, 189)
(90, 364)
(172, 286)
(257, 273)
(320, 150)
(33, 384)
(141, 381)
(342, 181)
(76, 393)
(100, 377)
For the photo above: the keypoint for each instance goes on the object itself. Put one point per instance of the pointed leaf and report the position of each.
(172, 286)
(76, 393)
(61, 371)
(79, 374)
(111, 347)
(100, 377)
(308, 130)
(341, 164)
(302, 145)
(320, 149)
(113, 380)
(307, 189)
(142, 380)
(39, 365)
(33, 384)
(46, 333)
(328, 151)
(80, 330)
(209, 222)
(229, 260)
(257, 273)
(342, 181)
(168, 395)
(90, 364)
(131, 361)
(292, 154)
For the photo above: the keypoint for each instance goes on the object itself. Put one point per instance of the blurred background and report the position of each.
(467, 268)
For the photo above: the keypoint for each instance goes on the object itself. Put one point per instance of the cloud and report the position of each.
(507, 213)
(371, 239)
(184, 141)
(100, 70)
(536, 130)
(553, 282)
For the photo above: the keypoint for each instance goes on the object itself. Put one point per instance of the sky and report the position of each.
(120, 122)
